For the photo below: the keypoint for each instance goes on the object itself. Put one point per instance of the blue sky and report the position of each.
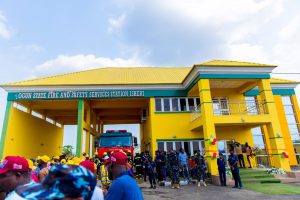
(41, 38)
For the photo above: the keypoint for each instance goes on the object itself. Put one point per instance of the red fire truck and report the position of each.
(113, 140)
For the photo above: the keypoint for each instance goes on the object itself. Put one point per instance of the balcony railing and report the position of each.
(224, 107)
(196, 113)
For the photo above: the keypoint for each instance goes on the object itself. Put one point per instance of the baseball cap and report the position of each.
(88, 165)
(118, 158)
(45, 158)
(30, 163)
(63, 181)
(14, 163)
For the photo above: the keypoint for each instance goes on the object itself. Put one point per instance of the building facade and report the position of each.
(208, 107)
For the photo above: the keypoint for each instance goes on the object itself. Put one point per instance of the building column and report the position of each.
(9, 105)
(209, 131)
(80, 121)
(274, 130)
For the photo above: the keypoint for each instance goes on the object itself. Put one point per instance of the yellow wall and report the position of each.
(30, 136)
(171, 126)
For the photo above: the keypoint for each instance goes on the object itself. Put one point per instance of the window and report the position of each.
(191, 104)
(160, 146)
(197, 101)
(251, 105)
(175, 105)
(291, 120)
(189, 146)
(169, 146)
(177, 146)
(220, 106)
(183, 106)
(158, 105)
(167, 105)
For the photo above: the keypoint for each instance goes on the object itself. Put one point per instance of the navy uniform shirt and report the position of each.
(233, 160)
(221, 164)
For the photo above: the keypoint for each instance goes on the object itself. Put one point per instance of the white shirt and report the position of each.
(98, 194)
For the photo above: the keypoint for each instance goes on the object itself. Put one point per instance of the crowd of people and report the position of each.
(68, 178)
(76, 178)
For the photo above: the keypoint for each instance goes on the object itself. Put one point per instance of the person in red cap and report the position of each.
(124, 187)
(14, 171)
(98, 193)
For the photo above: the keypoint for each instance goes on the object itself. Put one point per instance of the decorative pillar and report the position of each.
(209, 131)
(273, 128)
(80, 121)
(9, 105)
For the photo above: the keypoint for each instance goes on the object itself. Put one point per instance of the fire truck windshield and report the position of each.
(118, 141)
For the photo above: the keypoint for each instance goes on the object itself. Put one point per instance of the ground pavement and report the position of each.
(211, 192)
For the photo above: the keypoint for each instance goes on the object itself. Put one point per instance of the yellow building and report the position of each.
(176, 107)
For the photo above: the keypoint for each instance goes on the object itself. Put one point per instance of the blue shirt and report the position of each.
(221, 164)
(233, 160)
(124, 188)
(182, 157)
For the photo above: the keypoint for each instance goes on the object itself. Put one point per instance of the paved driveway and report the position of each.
(211, 192)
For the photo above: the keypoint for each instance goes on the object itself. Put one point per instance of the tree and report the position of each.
(68, 151)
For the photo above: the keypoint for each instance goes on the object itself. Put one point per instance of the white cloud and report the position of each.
(247, 52)
(65, 63)
(4, 30)
(116, 24)
(218, 12)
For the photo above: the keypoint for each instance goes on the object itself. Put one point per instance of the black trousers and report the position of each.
(152, 179)
(222, 174)
(139, 171)
(236, 176)
(248, 158)
(241, 160)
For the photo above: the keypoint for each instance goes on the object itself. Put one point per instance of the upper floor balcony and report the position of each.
(224, 107)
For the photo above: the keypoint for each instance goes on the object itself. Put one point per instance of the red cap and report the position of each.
(118, 158)
(88, 165)
(14, 163)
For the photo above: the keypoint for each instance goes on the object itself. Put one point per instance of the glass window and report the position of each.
(169, 146)
(167, 105)
(289, 110)
(160, 146)
(198, 101)
(258, 138)
(295, 137)
(175, 106)
(116, 141)
(286, 100)
(177, 146)
(293, 128)
(191, 104)
(291, 119)
(183, 106)
(158, 105)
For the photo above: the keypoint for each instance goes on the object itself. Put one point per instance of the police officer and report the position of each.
(174, 169)
(145, 157)
(233, 163)
(201, 168)
(138, 166)
(222, 169)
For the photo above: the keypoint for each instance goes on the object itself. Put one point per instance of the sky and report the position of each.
(42, 38)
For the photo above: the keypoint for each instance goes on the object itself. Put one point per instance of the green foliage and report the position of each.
(68, 151)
